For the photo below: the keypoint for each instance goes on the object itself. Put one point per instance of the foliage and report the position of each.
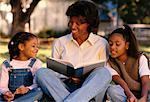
(2, 35)
(48, 33)
(134, 11)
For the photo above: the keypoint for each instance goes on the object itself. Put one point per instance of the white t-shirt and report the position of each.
(4, 76)
(143, 67)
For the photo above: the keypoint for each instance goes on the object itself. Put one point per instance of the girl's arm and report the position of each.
(117, 79)
(145, 87)
(144, 73)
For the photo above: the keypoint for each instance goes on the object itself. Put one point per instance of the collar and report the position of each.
(91, 39)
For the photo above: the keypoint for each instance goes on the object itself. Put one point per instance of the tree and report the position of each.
(21, 16)
(134, 11)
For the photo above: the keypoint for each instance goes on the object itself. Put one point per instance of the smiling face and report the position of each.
(78, 26)
(118, 46)
(29, 49)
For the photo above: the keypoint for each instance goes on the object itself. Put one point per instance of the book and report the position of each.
(68, 69)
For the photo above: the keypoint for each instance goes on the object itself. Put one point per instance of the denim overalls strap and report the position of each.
(32, 62)
(6, 63)
(20, 76)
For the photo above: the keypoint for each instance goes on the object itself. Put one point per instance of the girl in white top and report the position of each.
(129, 68)
(17, 81)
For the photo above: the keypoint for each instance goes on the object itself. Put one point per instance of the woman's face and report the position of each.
(78, 26)
(118, 45)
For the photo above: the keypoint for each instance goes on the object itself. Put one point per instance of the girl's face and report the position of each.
(78, 26)
(118, 46)
(29, 49)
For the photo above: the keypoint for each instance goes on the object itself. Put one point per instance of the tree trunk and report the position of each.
(20, 18)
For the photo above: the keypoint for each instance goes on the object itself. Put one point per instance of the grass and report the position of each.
(44, 51)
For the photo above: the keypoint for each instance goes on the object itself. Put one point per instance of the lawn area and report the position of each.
(44, 50)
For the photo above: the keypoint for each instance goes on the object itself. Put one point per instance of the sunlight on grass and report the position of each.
(146, 49)
(3, 48)
(45, 51)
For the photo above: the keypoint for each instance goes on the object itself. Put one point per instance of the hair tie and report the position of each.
(123, 27)
(12, 43)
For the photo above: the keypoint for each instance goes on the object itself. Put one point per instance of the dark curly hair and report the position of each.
(86, 9)
(20, 37)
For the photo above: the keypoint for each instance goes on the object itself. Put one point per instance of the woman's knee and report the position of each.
(103, 72)
(43, 72)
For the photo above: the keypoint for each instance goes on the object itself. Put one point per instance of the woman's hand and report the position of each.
(22, 90)
(75, 80)
(8, 96)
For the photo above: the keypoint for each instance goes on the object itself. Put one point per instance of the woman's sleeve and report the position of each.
(143, 66)
(4, 77)
(56, 49)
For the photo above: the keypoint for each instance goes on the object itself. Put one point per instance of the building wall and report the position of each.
(50, 14)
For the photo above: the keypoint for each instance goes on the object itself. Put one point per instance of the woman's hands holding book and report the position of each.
(75, 80)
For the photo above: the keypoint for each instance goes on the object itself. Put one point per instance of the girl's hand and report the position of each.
(143, 99)
(8, 96)
(22, 90)
(132, 99)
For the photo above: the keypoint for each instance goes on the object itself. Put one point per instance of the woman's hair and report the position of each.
(20, 37)
(129, 36)
(86, 9)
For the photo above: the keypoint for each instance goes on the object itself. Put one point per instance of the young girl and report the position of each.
(129, 68)
(17, 73)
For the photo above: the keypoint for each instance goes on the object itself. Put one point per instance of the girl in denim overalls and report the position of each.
(17, 81)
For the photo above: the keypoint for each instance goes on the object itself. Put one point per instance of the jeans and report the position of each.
(95, 84)
(116, 94)
(31, 96)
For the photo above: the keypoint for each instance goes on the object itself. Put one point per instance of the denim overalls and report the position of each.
(19, 77)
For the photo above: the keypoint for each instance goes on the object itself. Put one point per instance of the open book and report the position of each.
(66, 68)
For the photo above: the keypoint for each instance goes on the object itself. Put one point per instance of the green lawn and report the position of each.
(44, 50)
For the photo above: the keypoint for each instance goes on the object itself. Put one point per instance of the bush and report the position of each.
(3, 35)
(48, 33)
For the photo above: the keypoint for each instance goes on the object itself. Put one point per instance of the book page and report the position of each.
(65, 67)
(63, 62)
(90, 64)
